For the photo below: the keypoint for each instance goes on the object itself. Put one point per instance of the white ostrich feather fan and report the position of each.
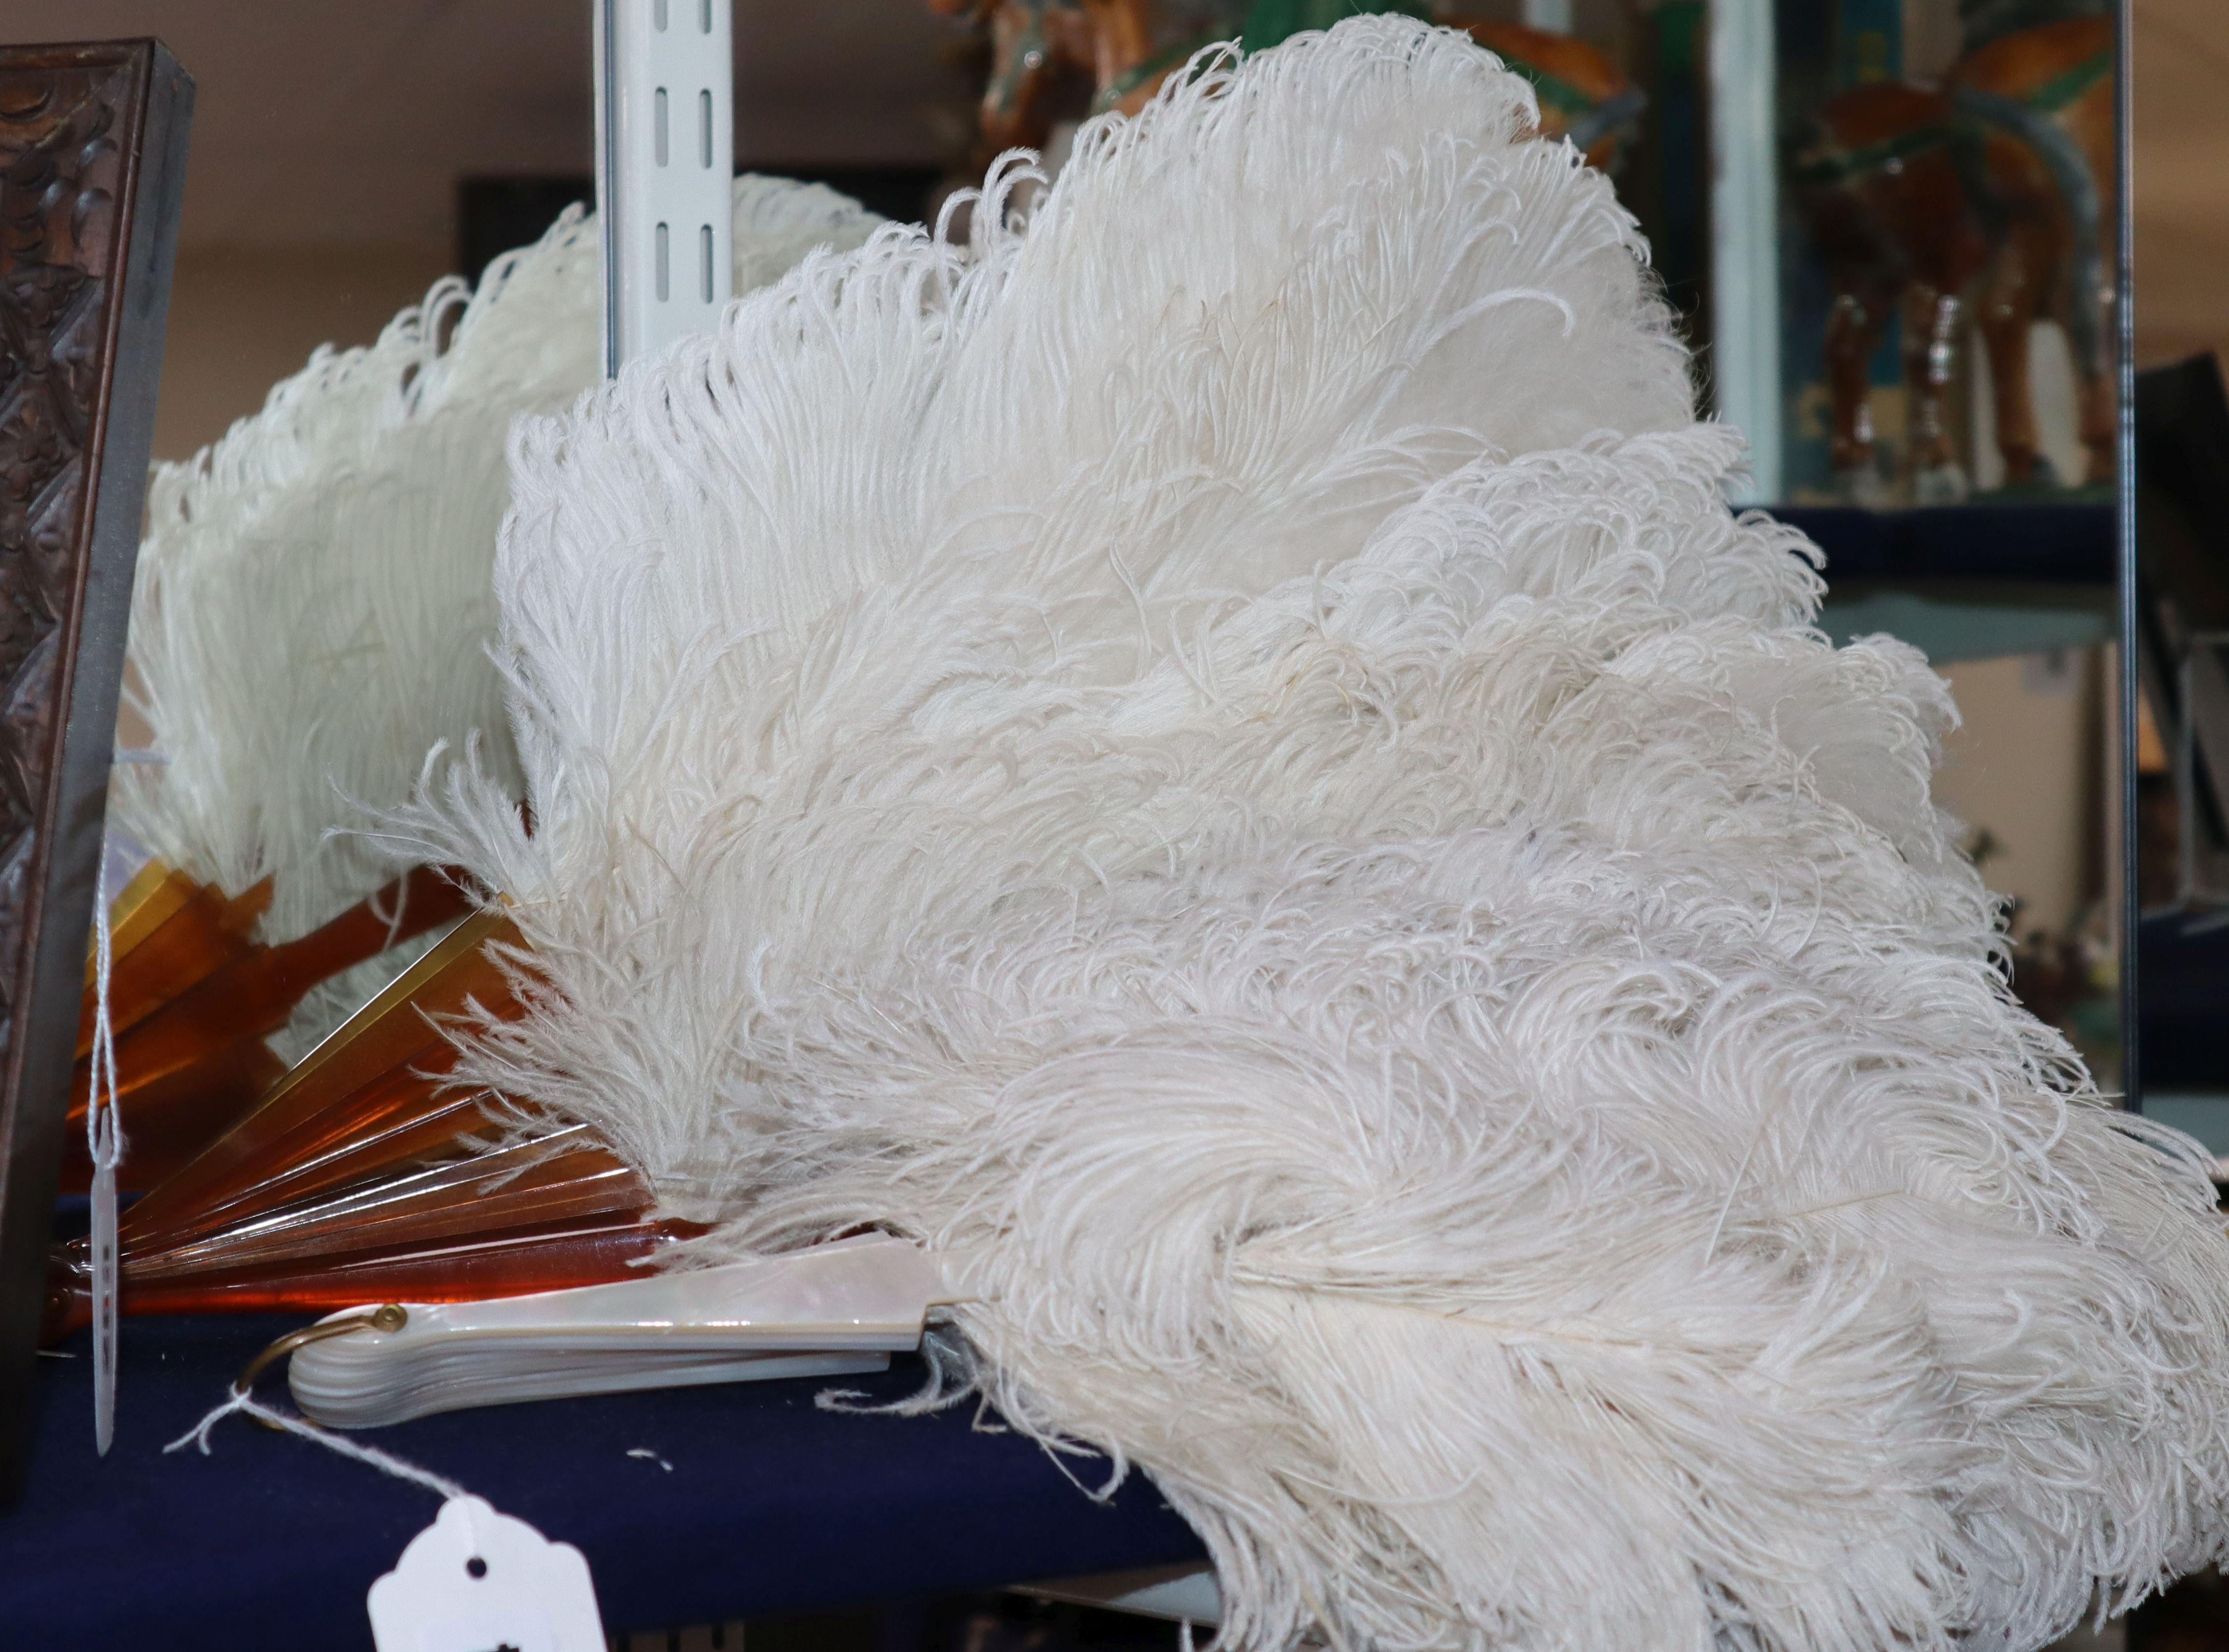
(1219, 758)
(314, 609)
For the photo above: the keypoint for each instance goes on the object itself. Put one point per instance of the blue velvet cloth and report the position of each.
(771, 1505)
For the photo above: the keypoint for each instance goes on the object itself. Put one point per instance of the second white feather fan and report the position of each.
(1218, 758)
(313, 607)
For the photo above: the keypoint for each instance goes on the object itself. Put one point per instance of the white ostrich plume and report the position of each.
(1217, 757)
(314, 609)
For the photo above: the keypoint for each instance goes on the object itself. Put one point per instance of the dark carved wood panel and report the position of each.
(91, 154)
(59, 172)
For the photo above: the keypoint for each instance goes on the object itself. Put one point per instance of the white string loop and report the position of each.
(243, 1400)
(104, 1140)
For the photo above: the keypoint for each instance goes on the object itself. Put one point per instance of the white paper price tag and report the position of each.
(478, 1581)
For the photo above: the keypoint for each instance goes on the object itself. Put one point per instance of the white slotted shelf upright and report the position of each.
(664, 158)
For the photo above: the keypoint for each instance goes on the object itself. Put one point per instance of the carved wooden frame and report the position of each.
(92, 147)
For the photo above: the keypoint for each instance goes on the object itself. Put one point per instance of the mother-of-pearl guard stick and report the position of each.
(829, 1309)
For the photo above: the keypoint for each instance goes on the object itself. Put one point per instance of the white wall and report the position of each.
(243, 317)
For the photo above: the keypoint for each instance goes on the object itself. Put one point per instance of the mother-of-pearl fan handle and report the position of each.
(833, 1308)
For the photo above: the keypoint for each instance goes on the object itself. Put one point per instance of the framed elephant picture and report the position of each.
(92, 141)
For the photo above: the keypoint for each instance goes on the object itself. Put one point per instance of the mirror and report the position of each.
(2180, 574)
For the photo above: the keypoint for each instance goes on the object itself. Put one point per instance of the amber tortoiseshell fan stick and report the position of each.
(193, 996)
(369, 1174)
